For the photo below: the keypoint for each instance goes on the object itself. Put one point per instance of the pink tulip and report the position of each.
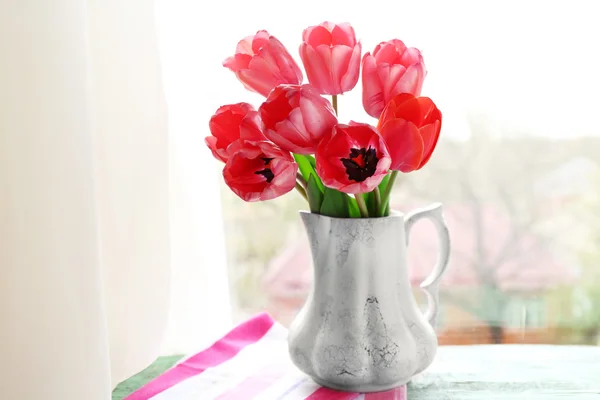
(331, 57)
(296, 118)
(261, 63)
(260, 171)
(353, 158)
(391, 69)
(233, 123)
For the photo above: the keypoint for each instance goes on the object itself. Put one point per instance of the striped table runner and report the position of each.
(250, 362)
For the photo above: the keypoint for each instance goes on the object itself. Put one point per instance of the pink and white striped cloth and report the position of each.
(249, 363)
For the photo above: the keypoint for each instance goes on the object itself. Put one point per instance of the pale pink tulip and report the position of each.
(261, 63)
(391, 69)
(296, 118)
(331, 57)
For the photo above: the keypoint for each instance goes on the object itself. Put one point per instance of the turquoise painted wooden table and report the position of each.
(510, 372)
(484, 373)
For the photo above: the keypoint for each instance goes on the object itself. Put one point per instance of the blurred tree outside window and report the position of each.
(524, 226)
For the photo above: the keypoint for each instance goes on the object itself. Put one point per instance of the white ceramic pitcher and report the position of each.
(361, 329)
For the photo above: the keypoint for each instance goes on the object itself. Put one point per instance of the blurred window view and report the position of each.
(517, 168)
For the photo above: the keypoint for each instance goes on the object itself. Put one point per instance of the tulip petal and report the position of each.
(257, 81)
(387, 53)
(430, 134)
(219, 154)
(318, 116)
(410, 109)
(251, 127)
(340, 61)
(390, 75)
(343, 34)
(317, 71)
(430, 111)
(288, 70)
(340, 144)
(277, 106)
(350, 78)
(411, 81)
(377, 142)
(237, 62)
(358, 137)
(307, 32)
(324, 54)
(296, 119)
(266, 63)
(244, 46)
(372, 96)
(411, 56)
(260, 40)
(284, 171)
(285, 135)
(404, 144)
(284, 180)
(319, 35)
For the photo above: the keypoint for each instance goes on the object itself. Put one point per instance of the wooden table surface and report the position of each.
(532, 372)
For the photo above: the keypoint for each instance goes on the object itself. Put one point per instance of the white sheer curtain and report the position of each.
(200, 310)
(104, 253)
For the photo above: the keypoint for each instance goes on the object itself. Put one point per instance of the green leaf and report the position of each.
(335, 204)
(370, 197)
(353, 208)
(307, 166)
(315, 196)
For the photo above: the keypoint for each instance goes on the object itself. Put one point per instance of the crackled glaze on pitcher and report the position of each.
(360, 329)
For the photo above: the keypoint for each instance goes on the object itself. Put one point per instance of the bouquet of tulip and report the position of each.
(294, 139)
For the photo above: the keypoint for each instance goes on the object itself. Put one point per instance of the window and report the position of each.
(517, 168)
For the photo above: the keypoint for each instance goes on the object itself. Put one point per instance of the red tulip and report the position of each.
(297, 117)
(231, 123)
(260, 171)
(261, 63)
(410, 127)
(331, 57)
(353, 158)
(392, 69)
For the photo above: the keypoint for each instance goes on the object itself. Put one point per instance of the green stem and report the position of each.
(386, 193)
(301, 190)
(334, 103)
(362, 206)
(377, 196)
(302, 181)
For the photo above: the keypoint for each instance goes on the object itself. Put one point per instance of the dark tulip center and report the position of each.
(360, 164)
(267, 173)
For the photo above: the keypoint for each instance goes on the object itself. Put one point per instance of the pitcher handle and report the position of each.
(431, 284)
